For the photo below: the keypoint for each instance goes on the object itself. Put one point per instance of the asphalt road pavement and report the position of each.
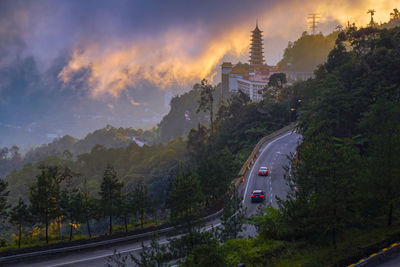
(272, 155)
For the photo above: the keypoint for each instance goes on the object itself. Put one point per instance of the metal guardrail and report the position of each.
(236, 182)
(99, 243)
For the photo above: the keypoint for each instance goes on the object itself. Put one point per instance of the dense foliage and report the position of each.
(344, 178)
(94, 192)
(306, 53)
(352, 122)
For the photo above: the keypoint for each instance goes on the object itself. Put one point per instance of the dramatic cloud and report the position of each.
(187, 51)
(69, 67)
(163, 61)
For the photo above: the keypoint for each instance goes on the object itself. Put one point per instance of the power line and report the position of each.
(313, 20)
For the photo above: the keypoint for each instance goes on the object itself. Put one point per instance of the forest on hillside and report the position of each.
(344, 181)
(211, 154)
(306, 53)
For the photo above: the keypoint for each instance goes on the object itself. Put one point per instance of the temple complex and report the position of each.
(256, 48)
(248, 78)
(253, 77)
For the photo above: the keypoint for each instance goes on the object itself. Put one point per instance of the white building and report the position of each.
(252, 78)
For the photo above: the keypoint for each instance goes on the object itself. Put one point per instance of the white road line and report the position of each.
(252, 169)
(122, 251)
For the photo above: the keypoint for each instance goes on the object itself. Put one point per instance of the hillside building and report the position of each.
(252, 78)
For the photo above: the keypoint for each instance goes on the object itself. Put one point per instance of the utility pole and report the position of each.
(313, 20)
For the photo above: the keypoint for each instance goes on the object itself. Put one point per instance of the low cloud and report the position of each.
(184, 55)
(162, 61)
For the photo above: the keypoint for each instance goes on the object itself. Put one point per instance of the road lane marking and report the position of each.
(255, 163)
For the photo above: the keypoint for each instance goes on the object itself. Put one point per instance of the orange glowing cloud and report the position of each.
(162, 62)
(169, 59)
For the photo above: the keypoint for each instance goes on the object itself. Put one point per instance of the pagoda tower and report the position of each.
(256, 48)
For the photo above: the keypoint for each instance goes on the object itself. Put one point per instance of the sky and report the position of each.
(70, 67)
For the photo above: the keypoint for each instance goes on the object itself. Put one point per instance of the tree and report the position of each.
(372, 12)
(215, 171)
(197, 143)
(382, 123)
(151, 256)
(126, 208)
(44, 198)
(73, 208)
(233, 216)
(20, 216)
(395, 14)
(184, 201)
(322, 200)
(275, 86)
(142, 202)
(306, 53)
(110, 194)
(268, 223)
(15, 155)
(206, 102)
(3, 199)
(277, 80)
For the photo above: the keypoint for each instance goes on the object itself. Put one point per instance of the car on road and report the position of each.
(257, 196)
(263, 171)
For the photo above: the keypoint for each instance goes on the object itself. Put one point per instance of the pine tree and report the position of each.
(3, 199)
(110, 194)
(44, 197)
(233, 216)
(20, 216)
(184, 201)
(141, 200)
(206, 102)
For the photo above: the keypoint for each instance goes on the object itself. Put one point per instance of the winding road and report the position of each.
(272, 154)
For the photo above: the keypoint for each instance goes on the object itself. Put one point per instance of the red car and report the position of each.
(263, 171)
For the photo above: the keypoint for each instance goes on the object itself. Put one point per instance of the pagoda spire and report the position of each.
(256, 47)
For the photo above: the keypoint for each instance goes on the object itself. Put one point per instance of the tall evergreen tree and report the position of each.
(20, 216)
(141, 199)
(184, 201)
(110, 194)
(44, 198)
(233, 216)
(3, 199)
(206, 103)
(382, 123)
(215, 171)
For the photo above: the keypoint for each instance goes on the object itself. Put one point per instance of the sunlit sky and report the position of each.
(137, 50)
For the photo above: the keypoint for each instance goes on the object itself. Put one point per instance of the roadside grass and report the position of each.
(40, 241)
(351, 243)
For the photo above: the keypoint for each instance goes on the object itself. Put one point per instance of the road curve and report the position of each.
(272, 155)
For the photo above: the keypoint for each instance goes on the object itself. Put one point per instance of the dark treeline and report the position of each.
(345, 177)
(54, 201)
(306, 53)
(348, 174)
(172, 125)
(10, 158)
